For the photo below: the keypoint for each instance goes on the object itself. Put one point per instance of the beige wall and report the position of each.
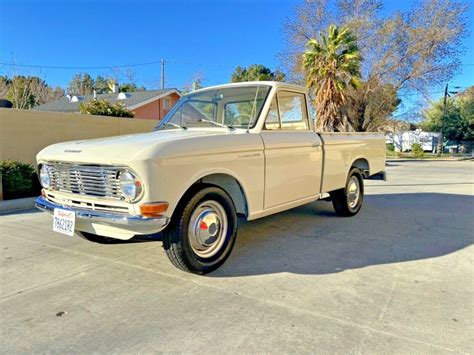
(23, 133)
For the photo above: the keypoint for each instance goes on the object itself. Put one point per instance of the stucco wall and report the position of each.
(23, 133)
(155, 110)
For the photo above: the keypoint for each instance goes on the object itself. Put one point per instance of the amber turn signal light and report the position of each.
(153, 209)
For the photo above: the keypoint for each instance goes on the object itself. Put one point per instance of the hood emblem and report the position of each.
(72, 151)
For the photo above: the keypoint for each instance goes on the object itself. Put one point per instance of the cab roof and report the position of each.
(275, 84)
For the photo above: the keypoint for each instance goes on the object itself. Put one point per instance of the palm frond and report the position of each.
(332, 65)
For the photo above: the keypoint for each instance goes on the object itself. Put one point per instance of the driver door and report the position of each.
(293, 152)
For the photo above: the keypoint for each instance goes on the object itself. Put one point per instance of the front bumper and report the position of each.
(124, 225)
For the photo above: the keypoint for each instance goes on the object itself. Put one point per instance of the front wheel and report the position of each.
(348, 200)
(203, 232)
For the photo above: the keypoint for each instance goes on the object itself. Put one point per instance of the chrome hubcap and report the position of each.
(353, 192)
(207, 228)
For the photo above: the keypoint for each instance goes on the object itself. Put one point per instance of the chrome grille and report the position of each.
(91, 180)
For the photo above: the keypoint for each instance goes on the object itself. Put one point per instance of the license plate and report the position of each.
(64, 221)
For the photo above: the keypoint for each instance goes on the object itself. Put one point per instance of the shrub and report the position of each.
(19, 180)
(104, 108)
(390, 147)
(417, 150)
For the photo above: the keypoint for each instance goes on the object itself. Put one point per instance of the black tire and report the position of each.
(342, 200)
(178, 238)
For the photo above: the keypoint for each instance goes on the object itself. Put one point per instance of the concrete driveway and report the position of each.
(397, 278)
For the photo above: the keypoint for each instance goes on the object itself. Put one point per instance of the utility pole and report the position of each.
(163, 74)
(441, 136)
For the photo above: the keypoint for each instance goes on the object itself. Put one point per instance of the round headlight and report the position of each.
(45, 179)
(130, 186)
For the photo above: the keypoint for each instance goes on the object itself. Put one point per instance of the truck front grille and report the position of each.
(91, 180)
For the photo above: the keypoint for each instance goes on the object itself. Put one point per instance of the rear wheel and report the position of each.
(203, 231)
(348, 200)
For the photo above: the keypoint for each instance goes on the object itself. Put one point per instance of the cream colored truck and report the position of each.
(246, 149)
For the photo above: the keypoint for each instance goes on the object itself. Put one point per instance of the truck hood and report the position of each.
(117, 149)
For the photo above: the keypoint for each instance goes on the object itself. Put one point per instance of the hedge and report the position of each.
(19, 180)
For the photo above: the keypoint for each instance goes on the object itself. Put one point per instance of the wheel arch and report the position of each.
(224, 180)
(363, 165)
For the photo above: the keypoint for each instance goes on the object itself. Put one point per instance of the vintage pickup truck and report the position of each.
(245, 149)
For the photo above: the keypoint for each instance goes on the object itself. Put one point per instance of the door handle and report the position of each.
(315, 145)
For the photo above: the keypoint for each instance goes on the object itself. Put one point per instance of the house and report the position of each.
(149, 104)
(403, 140)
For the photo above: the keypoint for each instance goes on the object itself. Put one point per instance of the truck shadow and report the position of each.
(390, 228)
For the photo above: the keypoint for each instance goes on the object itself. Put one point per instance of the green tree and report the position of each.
(81, 84)
(417, 150)
(466, 108)
(104, 108)
(332, 64)
(101, 85)
(255, 72)
(130, 87)
(459, 119)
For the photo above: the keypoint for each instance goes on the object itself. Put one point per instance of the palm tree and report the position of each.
(332, 64)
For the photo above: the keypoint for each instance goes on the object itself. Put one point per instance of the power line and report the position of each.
(429, 92)
(417, 93)
(155, 62)
(80, 68)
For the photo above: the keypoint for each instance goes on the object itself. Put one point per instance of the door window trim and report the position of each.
(304, 112)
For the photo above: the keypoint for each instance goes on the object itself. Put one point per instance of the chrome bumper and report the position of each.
(104, 217)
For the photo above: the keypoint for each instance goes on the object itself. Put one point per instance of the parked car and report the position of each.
(242, 149)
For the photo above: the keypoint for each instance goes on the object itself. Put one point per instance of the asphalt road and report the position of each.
(397, 278)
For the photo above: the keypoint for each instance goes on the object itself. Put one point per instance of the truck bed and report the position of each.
(367, 150)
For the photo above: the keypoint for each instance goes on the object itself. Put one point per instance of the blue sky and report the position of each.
(203, 37)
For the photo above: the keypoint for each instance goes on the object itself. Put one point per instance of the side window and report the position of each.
(273, 119)
(292, 111)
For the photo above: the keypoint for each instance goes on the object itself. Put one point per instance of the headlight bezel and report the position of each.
(131, 187)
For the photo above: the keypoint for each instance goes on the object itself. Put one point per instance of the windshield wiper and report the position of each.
(216, 123)
(173, 125)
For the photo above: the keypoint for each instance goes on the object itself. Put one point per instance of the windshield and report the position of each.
(233, 107)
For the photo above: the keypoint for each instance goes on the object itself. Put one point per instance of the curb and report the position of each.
(17, 205)
(416, 160)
